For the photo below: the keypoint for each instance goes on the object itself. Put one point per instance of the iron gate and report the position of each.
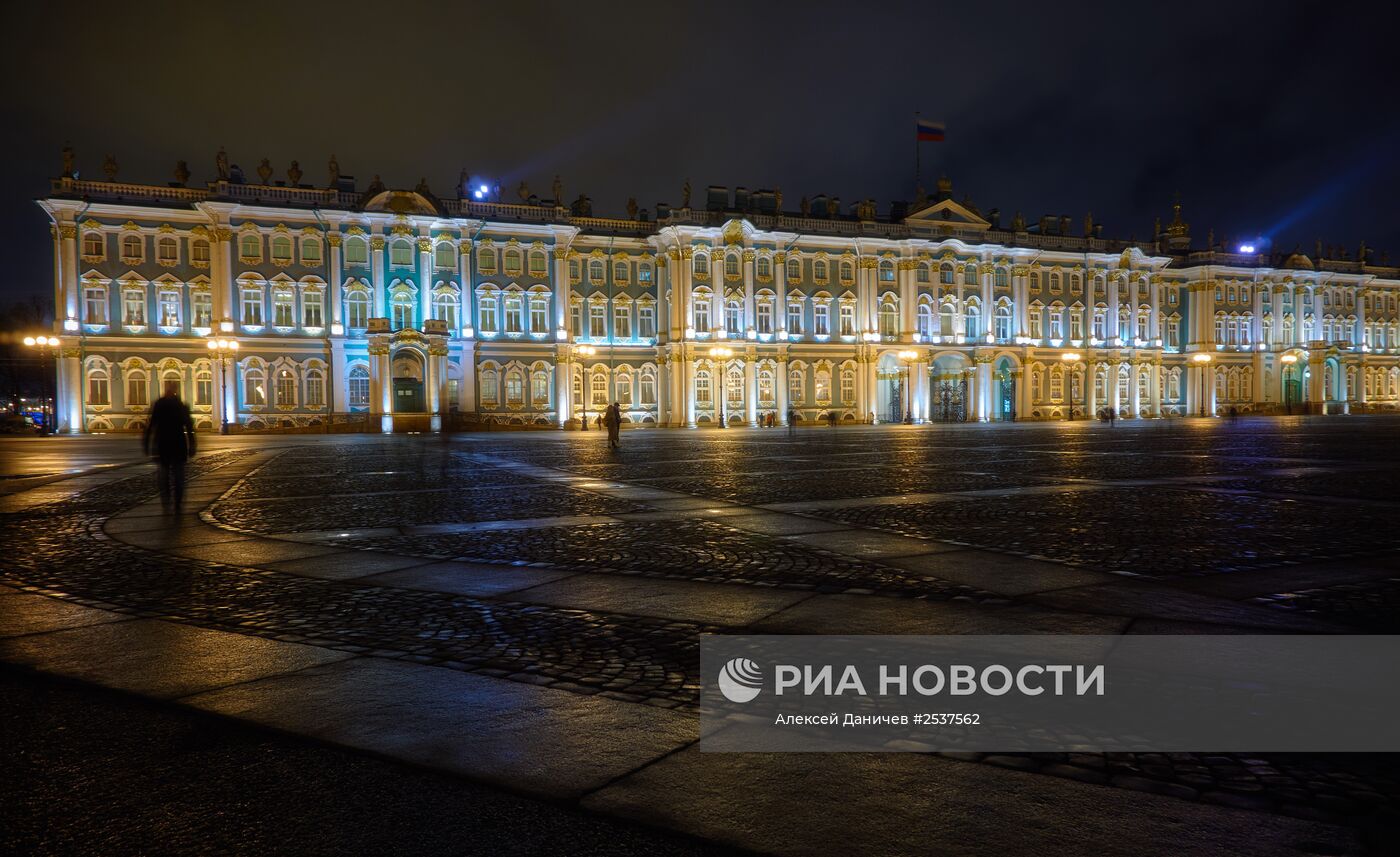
(950, 405)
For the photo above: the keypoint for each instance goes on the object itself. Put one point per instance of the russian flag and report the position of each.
(928, 132)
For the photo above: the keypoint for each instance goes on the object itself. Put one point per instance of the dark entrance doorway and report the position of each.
(408, 383)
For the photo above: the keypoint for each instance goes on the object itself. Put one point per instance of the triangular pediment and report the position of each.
(947, 213)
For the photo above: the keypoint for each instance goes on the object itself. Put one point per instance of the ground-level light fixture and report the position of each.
(908, 356)
(1289, 358)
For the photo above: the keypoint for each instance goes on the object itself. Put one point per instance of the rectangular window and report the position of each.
(135, 392)
(702, 316)
(765, 317)
(539, 315)
(576, 319)
(95, 306)
(646, 321)
(203, 389)
(311, 252)
(315, 390)
(597, 320)
(794, 318)
(252, 307)
(282, 306)
(97, 391)
(848, 320)
(486, 313)
(202, 309)
(622, 322)
(512, 313)
(311, 315)
(821, 319)
(134, 308)
(169, 309)
(357, 310)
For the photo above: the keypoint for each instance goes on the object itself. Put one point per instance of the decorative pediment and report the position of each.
(947, 213)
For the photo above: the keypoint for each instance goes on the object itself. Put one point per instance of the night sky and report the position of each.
(1268, 118)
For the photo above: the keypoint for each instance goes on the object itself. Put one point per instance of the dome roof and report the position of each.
(1298, 260)
(400, 202)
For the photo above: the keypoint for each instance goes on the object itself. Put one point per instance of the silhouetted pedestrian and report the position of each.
(792, 422)
(612, 418)
(169, 436)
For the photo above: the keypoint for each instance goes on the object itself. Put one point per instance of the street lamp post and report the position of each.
(722, 354)
(48, 351)
(1070, 358)
(1288, 361)
(907, 358)
(1203, 359)
(586, 351)
(223, 350)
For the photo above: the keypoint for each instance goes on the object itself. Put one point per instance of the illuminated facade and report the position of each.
(408, 309)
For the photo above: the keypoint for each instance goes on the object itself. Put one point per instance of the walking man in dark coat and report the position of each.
(612, 418)
(170, 438)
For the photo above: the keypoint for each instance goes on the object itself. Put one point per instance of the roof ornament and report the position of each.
(294, 174)
(265, 171)
(109, 167)
(69, 168)
(182, 173)
(333, 168)
(221, 165)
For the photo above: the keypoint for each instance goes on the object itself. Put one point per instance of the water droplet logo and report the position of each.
(740, 680)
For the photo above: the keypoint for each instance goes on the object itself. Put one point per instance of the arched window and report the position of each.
(622, 387)
(922, 272)
(765, 386)
(819, 271)
(513, 262)
(281, 249)
(598, 388)
(970, 275)
(203, 387)
(486, 312)
(731, 265)
(539, 388)
(1001, 278)
(445, 255)
(733, 315)
(486, 260)
(797, 385)
(889, 317)
(357, 310)
(1003, 323)
(513, 312)
(848, 386)
(538, 265)
(94, 244)
(596, 271)
(490, 386)
(99, 387)
(620, 273)
(539, 313)
(515, 387)
(972, 321)
(286, 387)
(401, 252)
(823, 386)
(167, 251)
(131, 248)
(315, 388)
(763, 268)
(254, 387)
(848, 272)
(925, 319)
(401, 308)
(250, 246)
(136, 386)
(356, 251)
(359, 387)
(886, 271)
(311, 251)
(445, 309)
(703, 393)
(794, 269)
(945, 273)
(700, 265)
(648, 388)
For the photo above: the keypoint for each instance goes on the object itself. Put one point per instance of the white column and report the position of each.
(337, 321)
(749, 319)
(1134, 394)
(67, 300)
(750, 391)
(689, 378)
(1154, 380)
(663, 391)
(376, 244)
(1111, 283)
(780, 395)
(1257, 393)
(1256, 327)
(225, 307)
(425, 285)
(1154, 291)
(467, 391)
(986, 271)
(717, 286)
(219, 395)
(1090, 392)
(1021, 295)
(563, 388)
(68, 405)
(780, 302)
(561, 290)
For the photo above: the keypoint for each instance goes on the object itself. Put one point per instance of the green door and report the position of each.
(408, 396)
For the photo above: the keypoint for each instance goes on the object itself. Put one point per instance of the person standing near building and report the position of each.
(169, 436)
(612, 418)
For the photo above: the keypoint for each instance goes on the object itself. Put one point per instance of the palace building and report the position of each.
(401, 309)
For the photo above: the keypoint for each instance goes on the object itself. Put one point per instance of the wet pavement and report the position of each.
(358, 589)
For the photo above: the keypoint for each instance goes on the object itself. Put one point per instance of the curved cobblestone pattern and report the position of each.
(1178, 532)
(59, 549)
(445, 506)
(830, 484)
(691, 550)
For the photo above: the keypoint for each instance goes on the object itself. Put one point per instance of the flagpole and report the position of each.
(918, 167)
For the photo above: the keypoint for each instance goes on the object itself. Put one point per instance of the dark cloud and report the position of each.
(1256, 113)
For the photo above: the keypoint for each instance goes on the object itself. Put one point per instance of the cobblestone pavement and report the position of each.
(1170, 501)
(705, 551)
